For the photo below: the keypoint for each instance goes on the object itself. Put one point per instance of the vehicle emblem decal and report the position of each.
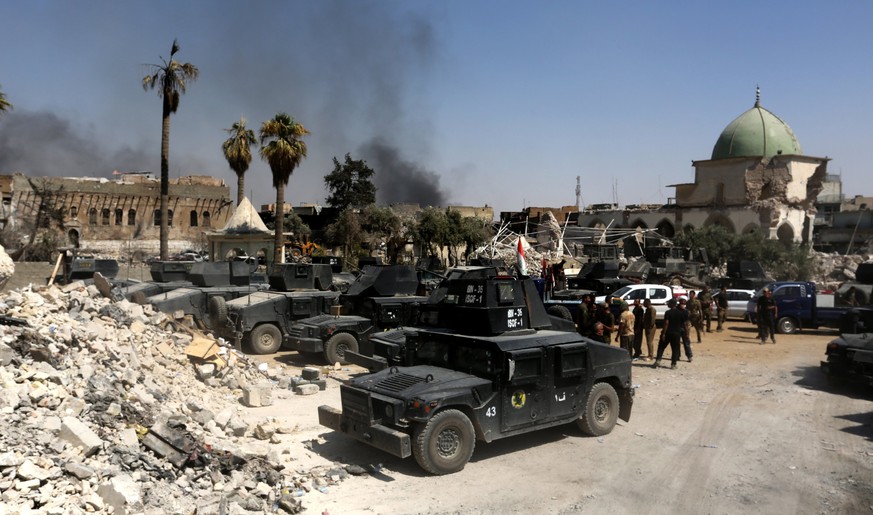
(518, 399)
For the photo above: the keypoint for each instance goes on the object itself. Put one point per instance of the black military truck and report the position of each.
(496, 367)
(166, 276)
(226, 280)
(383, 297)
(261, 319)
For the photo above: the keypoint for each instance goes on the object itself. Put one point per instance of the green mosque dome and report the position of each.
(756, 133)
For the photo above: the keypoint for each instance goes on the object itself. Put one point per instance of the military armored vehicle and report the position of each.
(382, 298)
(77, 267)
(261, 319)
(166, 276)
(489, 365)
(224, 279)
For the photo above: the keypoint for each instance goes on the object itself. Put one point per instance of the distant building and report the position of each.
(117, 216)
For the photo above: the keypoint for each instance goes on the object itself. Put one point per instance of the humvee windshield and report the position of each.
(463, 358)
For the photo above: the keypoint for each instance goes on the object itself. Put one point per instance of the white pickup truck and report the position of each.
(657, 293)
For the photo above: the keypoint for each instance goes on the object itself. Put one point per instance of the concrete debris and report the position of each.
(107, 405)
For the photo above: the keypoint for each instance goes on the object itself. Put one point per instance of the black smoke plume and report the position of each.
(399, 181)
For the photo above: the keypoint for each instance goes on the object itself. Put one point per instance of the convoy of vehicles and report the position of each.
(484, 362)
(383, 297)
(260, 320)
(799, 306)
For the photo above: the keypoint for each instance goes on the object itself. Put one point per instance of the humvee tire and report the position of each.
(445, 443)
(265, 339)
(601, 410)
(335, 348)
(560, 312)
(217, 308)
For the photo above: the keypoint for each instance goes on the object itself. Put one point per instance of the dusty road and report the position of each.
(745, 428)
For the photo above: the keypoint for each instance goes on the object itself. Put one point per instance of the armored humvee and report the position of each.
(166, 276)
(227, 280)
(260, 319)
(382, 298)
(490, 365)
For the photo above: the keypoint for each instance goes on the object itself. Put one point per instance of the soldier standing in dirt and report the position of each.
(625, 335)
(583, 319)
(686, 328)
(767, 312)
(649, 319)
(674, 325)
(695, 315)
(605, 317)
(721, 303)
(706, 306)
(639, 313)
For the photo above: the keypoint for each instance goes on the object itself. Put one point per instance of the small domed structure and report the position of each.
(756, 133)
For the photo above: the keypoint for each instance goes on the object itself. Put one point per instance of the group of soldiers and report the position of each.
(694, 312)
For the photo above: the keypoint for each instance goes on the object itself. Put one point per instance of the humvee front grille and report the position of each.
(398, 382)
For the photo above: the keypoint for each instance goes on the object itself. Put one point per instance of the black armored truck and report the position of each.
(261, 319)
(489, 364)
(383, 297)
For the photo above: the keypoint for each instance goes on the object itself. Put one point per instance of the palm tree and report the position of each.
(4, 104)
(238, 152)
(283, 149)
(171, 79)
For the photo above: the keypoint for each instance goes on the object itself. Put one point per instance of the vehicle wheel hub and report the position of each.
(601, 410)
(448, 443)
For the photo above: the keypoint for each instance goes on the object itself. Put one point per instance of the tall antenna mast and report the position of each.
(578, 194)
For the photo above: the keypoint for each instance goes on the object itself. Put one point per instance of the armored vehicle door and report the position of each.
(570, 379)
(525, 394)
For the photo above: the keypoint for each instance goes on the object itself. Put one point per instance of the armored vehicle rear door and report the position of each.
(525, 394)
(570, 377)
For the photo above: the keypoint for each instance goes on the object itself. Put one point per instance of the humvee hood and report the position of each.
(856, 341)
(417, 381)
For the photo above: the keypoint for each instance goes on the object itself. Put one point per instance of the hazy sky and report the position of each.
(450, 102)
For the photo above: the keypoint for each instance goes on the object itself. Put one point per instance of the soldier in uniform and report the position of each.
(625, 335)
(671, 334)
(583, 318)
(686, 328)
(639, 314)
(695, 315)
(649, 319)
(706, 306)
(721, 303)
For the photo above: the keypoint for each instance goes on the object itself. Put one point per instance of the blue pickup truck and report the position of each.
(799, 306)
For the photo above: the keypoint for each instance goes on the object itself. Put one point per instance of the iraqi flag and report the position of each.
(519, 258)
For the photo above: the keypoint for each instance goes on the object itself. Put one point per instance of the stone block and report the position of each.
(79, 470)
(71, 407)
(310, 373)
(29, 470)
(128, 438)
(6, 354)
(265, 430)
(238, 426)
(123, 493)
(223, 417)
(74, 432)
(306, 389)
(257, 395)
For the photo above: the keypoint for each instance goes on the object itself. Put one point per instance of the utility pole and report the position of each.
(578, 194)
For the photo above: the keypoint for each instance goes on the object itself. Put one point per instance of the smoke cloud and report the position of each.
(43, 144)
(400, 181)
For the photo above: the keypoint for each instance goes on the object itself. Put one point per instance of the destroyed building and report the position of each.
(757, 179)
(117, 216)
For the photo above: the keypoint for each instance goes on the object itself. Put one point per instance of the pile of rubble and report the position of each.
(835, 269)
(102, 409)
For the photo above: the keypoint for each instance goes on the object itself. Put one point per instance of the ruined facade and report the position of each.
(757, 179)
(119, 216)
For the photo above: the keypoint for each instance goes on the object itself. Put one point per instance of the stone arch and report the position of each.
(751, 229)
(721, 220)
(169, 218)
(74, 212)
(207, 219)
(597, 224)
(193, 221)
(785, 233)
(104, 216)
(665, 228)
(119, 216)
(73, 236)
(131, 217)
(157, 218)
(92, 216)
(639, 223)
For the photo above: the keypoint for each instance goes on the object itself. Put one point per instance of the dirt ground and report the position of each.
(744, 428)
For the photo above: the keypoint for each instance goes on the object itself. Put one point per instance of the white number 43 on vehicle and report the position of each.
(491, 411)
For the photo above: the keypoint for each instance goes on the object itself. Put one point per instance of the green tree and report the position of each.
(238, 152)
(350, 184)
(4, 104)
(381, 224)
(431, 230)
(715, 239)
(283, 148)
(475, 233)
(171, 80)
(346, 231)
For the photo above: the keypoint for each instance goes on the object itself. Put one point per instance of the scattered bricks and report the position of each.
(265, 430)
(321, 383)
(306, 389)
(28, 470)
(74, 432)
(310, 373)
(205, 371)
(238, 427)
(122, 493)
(128, 438)
(260, 394)
(6, 354)
(72, 407)
(78, 470)
(223, 417)
(26, 486)
(202, 417)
